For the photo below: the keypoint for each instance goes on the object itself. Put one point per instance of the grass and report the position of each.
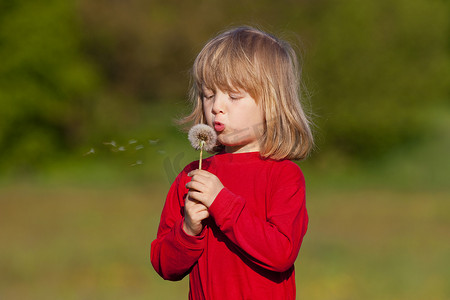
(80, 243)
(376, 244)
(70, 243)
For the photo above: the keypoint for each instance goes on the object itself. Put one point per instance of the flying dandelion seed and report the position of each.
(202, 137)
(153, 142)
(137, 163)
(91, 151)
(119, 149)
(139, 147)
(132, 141)
(112, 143)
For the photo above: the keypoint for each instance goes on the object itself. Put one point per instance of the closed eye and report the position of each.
(235, 96)
(208, 97)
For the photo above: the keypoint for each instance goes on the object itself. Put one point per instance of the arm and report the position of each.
(272, 243)
(173, 252)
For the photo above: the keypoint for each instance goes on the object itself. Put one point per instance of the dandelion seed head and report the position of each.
(202, 133)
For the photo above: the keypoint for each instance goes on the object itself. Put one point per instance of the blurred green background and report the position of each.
(89, 91)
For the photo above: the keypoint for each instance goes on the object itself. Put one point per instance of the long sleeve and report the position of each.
(252, 237)
(173, 252)
(272, 242)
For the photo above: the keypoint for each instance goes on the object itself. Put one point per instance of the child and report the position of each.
(236, 226)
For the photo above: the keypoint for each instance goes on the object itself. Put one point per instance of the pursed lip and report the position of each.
(219, 126)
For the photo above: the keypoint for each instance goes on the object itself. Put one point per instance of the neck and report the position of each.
(253, 147)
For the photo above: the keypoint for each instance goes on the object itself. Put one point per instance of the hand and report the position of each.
(194, 213)
(204, 187)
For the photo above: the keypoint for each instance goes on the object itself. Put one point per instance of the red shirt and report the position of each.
(249, 244)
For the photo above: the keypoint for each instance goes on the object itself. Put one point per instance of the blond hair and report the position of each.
(266, 68)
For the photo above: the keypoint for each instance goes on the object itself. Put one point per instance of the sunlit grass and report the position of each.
(376, 244)
(79, 243)
(68, 243)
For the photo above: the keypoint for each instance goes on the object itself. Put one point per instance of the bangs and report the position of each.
(227, 64)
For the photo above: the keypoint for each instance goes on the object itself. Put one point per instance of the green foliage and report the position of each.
(76, 73)
(376, 68)
(373, 68)
(45, 82)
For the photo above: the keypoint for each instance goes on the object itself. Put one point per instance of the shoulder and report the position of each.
(288, 165)
(286, 171)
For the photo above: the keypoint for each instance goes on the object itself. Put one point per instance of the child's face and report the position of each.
(236, 117)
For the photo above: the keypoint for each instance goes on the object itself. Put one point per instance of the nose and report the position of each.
(219, 103)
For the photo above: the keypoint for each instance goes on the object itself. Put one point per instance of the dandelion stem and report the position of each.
(202, 143)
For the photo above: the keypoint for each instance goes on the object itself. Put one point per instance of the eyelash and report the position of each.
(231, 96)
(234, 97)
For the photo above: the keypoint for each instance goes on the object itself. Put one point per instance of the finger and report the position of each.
(202, 215)
(195, 185)
(189, 201)
(196, 209)
(199, 179)
(199, 207)
(198, 196)
(193, 211)
(194, 198)
(194, 214)
(195, 172)
(200, 173)
(190, 194)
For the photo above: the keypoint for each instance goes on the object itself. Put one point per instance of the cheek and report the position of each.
(207, 114)
(209, 121)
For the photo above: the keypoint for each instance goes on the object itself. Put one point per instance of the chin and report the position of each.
(222, 141)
